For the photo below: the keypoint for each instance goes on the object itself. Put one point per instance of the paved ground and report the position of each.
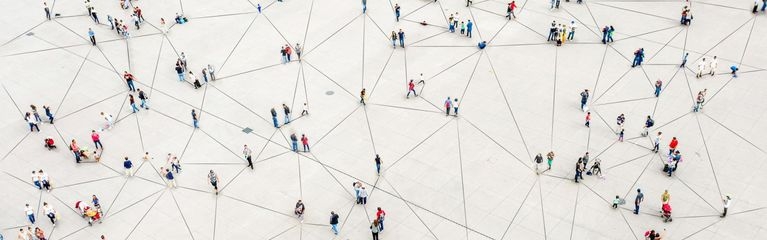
(465, 177)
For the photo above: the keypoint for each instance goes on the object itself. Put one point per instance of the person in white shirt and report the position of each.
(50, 212)
(701, 68)
(727, 201)
(44, 180)
(36, 180)
(571, 35)
(30, 212)
(657, 142)
(109, 120)
(712, 66)
(363, 196)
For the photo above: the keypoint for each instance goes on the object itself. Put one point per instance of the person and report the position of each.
(294, 142)
(213, 180)
(394, 39)
(32, 123)
(571, 35)
(550, 159)
(401, 37)
(411, 88)
(482, 44)
(170, 178)
(656, 145)
(132, 102)
(701, 68)
(596, 168)
(357, 188)
(620, 135)
(463, 28)
(334, 222)
(616, 201)
(584, 99)
(647, 125)
(298, 51)
(96, 139)
(48, 113)
(96, 202)
(39, 234)
(638, 200)
(510, 10)
(246, 152)
(362, 97)
(194, 119)
(684, 60)
(47, 13)
(665, 197)
(455, 107)
(712, 66)
(50, 213)
(726, 201)
(538, 160)
(363, 196)
(579, 170)
(143, 97)
(378, 164)
(469, 27)
(638, 57)
(610, 37)
(299, 210)
(734, 69)
(672, 145)
(44, 180)
(180, 72)
(30, 212)
(305, 142)
(305, 110)
(212, 72)
(448, 106)
(36, 180)
(375, 229)
(396, 11)
(129, 80)
(364, 8)
(604, 34)
(658, 85)
(128, 165)
(286, 109)
(109, 120)
(588, 119)
(380, 216)
(274, 118)
(756, 6)
(92, 36)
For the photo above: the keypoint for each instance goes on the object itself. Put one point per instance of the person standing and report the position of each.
(469, 26)
(610, 37)
(364, 9)
(50, 213)
(672, 145)
(411, 88)
(246, 152)
(448, 106)
(684, 60)
(92, 36)
(48, 113)
(128, 165)
(108, 119)
(142, 96)
(305, 142)
(638, 55)
(579, 170)
(286, 109)
(36, 180)
(394, 39)
(212, 71)
(510, 10)
(363, 97)
(638, 200)
(32, 122)
(30, 212)
(288, 51)
(401, 37)
(294, 142)
(194, 119)
(701, 68)
(656, 146)
(129, 80)
(96, 139)
(180, 72)
(298, 51)
(588, 119)
(213, 180)
(363, 196)
(380, 216)
(45, 180)
(378, 164)
(334, 221)
(455, 107)
(658, 85)
(584, 99)
(274, 118)
(550, 159)
(170, 178)
(538, 160)
(647, 125)
(95, 16)
(604, 34)
(620, 135)
(357, 188)
(712, 66)
(571, 35)
(726, 201)
(396, 11)
(47, 11)
(665, 197)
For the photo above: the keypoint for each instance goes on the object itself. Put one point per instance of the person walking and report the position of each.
(620, 135)
(50, 213)
(274, 118)
(396, 11)
(47, 11)
(44, 180)
(305, 142)
(364, 6)
(665, 197)
(108, 119)
(584, 99)
(36, 180)
(212, 70)
(550, 159)
(571, 34)
(401, 37)
(30, 212)
(294, 142)
(684, 60)
(143, 98)
(469, 27)
(246, 152)
(658, 86)
(298, 51)
(638, 200)
(378, 162)
(213, 180)
(96, 139)
(380, 216)
(375, 229)
(588, 119)
(448, 106)
(672, 145)
(604, 34)
(128, 165)
(726, 201)
(334, 222)
(286, 109)
(701, 68)
(638, 57)
(48, 113)
(610, 36)
(510, 10)
(92, 36)
(132, 102)
(95, 16)
(32, 122)
(411, 88)
(647, 125)
(455, 107)
(579, 170)
(394, 39)
(712, 66)
(194, 119)
(656, 145)
(299, 210)
(129, 80)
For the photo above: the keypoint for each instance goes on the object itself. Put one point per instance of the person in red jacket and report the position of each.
(672, 145)
(305, 142)
(411, 88)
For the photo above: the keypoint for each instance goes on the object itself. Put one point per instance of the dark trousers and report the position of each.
(98, 144)
(93, 40)
(33, 126)
(250, 162)
(48, 13)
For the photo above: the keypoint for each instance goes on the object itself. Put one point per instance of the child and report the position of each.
(616, 201)
(463, 28)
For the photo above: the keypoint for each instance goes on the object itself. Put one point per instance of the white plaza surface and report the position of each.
(443, 177)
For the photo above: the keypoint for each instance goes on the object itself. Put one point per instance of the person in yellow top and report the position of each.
(665, 197)
(563, 34)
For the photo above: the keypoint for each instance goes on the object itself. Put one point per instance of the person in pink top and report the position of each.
(96, 139)
(305, 142)
(411, 88)
(448, 105)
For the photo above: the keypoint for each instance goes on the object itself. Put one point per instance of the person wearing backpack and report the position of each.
(647, 125)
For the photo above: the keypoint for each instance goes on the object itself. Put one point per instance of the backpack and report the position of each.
(650, 123)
